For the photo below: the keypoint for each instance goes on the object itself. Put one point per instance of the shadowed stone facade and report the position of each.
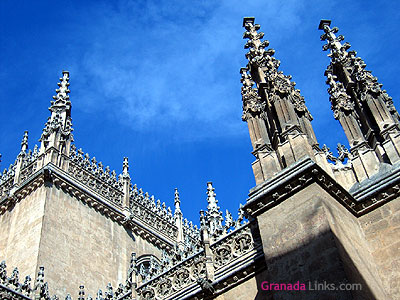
(76, 226)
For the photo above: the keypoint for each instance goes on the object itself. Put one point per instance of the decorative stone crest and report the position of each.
(340, 100)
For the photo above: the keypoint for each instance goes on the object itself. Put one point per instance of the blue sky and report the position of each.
(158, 81)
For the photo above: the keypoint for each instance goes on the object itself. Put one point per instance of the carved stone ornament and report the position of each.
(243, 243)
(340, 100)
(252, 104)
(257, 54)
(164, 287)
(222, 255)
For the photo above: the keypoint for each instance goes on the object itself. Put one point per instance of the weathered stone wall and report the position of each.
(311, 236)
(79, 245)
(382, 232)
(20, 229)
(354, 250)
(299, 245)
(250, 289)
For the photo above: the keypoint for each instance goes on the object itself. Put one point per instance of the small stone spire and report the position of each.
(333, 42)
(213, 214)
(178, 217)
(126, 183)
(63, 91)
(57, 135)
(125, 167)
(24, 143)
(343, 110)
(81, 295)
(21, 158)
(371, 121)
(212, 201)
(177, 202)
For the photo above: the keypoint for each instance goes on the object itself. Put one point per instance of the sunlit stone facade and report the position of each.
(76, 230)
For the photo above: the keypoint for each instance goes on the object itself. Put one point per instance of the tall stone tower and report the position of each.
(315, 226)
(62, 209)
(321, 217)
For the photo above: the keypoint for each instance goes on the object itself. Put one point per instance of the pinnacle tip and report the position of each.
(248, 20)
(324, 22)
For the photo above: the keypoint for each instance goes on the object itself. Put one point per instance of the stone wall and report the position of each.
(75, 243)
(300, 246)
(354, 250)
(20, 230)
(79, 245)
(311, 236)
(381, 228)
(250, 289)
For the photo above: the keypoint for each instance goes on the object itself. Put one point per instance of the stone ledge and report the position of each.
(305, 172)
(52, 173)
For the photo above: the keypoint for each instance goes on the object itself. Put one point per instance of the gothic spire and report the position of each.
(274, 109)
(213, 214)
(126, 181)
(125, 167)
(178, 216)
(57, 133)
(276, 87)
(343, 110)
(338, 50)
(177, 202)
(63, 90)
(374, 118)
(24, 143)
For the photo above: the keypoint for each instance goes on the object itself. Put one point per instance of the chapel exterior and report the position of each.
(70, 228)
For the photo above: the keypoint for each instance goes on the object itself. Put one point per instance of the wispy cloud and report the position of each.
(149, 69)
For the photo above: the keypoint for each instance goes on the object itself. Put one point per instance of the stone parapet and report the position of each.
(234, 260)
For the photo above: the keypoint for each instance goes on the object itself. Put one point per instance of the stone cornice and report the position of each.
(305, 172)
(244, 258)
(61, 179)
(11, 294)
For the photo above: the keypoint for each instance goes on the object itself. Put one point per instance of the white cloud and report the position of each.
(170, 66)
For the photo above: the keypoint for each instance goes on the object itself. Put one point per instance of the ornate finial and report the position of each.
(81, 293)
(257, 53)
(3, 272)
(328, 154)
(125, 167)
(26, 286)
(109, 293)
(132, 265)
(213, 214)
(63, 91)
(60, 119)
(343, 152)
(99, 295)
(340, 100)
(240, 215)
(40, 276)
(264, 67)
(333, 42)
(252, 104)
(14, 279)
(177, 201)
(212, 201)
(24, 143)
(229, 222)
(202, 219)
